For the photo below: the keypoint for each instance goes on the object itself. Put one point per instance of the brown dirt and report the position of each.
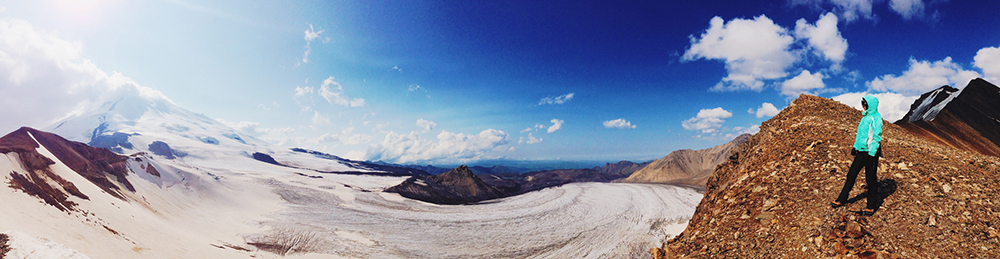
(771, 199)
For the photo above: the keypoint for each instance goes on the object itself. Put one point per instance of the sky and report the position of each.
(458, 81)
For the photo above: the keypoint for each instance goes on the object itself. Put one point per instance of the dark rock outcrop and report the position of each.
(100, 166)
(458, 186)
(969, 121)
(162, 149)
(265, 158)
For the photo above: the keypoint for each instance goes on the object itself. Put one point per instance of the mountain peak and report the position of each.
(967, 119)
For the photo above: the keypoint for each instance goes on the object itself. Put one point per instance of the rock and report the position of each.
(839, 248)
(869, 254)
(946, 188)
(854, 230)
(657, 253)
(931, 222)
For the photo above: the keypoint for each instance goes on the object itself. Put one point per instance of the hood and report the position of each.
(872, 104)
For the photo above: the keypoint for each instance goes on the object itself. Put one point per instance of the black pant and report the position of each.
(862, 159)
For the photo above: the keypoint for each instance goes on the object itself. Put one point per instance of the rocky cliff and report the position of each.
(771, 197)
(685, 166)
(967, 119)
(458, 186)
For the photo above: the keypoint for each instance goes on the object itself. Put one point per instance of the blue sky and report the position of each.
(458, 81)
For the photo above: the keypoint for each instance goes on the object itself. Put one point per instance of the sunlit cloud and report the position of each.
(707, 120)
(892, 106)
(803, 83)
(425, 124)
(556, 125)
(924, 76)
(618, 124)
(409, 148)
(335, 94)
(753, 50)
(988, 60)
(823, 38)
(556, 99)
(530, 139)
(766, 110)
(311, 35)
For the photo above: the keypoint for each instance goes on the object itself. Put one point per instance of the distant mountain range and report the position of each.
(685, 166)
(967, 119)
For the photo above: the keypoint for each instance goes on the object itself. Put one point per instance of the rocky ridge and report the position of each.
(685, 166)
(771, 198)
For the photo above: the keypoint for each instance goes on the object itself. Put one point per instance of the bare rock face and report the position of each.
(687, 167)
(100, 166)
(771, 198)
(458, 186)
(967, 119)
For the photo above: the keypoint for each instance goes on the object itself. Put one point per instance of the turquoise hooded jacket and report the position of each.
(869, 134)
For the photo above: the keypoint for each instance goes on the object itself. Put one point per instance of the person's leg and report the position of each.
(871, 178)
(852, 176)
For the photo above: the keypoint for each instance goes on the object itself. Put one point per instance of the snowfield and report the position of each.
(213, 200)
(581, 220)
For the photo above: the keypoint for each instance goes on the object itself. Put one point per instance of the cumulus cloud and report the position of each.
(619, 124)
(988, 59)
(824, 38)
(766, 110)
(556, 99)
(556, 125)
(529, 140)
(346, 136)
(803, 83)
(707, 120)
(923, 76)
(426, 124)
(336, 95)
(311, 35)
(753, 50)
(277, 136)
(748, 130)
(892, 106)
(44, 78)
(409, 148)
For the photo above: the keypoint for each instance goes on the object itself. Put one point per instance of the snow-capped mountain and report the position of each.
(967, 119)
(137, 119)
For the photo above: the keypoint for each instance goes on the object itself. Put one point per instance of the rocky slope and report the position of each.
(771, 198)
(685, 166)
(967, 119)
(458, 186)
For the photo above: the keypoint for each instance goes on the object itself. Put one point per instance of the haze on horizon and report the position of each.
(456, 82)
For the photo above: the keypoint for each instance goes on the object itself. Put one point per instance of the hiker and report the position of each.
(866, 152)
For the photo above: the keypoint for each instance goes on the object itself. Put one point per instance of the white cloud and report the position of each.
(619, 124)
(892, 106)
(44, 78)
(414, 88)
(850, 10)
(426, 124)
(450, 147)
(988, 59)
(908, 8)
(529, 140)
(707, 120)
(753, 50)
(336, 95)
(824, 38)
(923, 76)
(302, 91)
(748, 130)
(319, 119)
(556, 125)
(803, 83)
(310, 36)
(556, 99)
(766, 110)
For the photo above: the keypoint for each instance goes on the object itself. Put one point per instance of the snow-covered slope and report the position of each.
(181, 185)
